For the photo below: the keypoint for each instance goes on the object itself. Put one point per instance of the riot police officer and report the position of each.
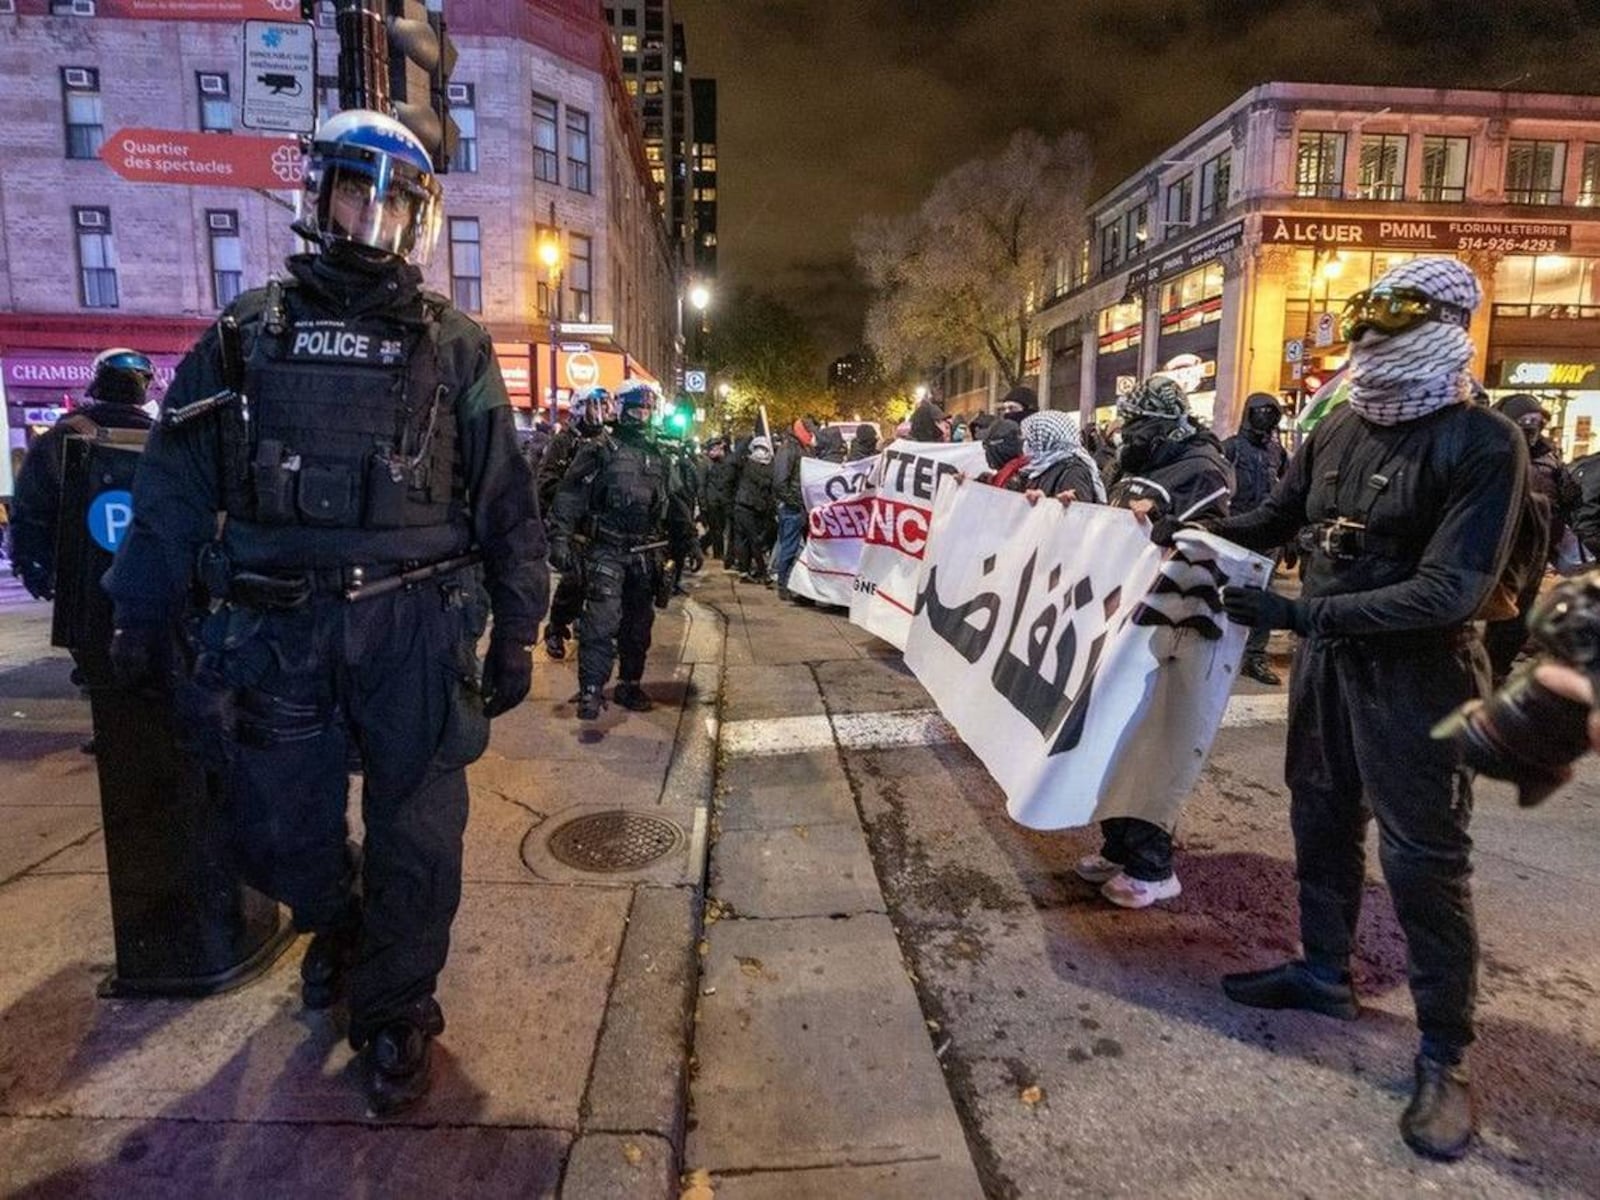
(331, 459)
(621, 508)
(592, 408)
(120, 380)
(1404, 502)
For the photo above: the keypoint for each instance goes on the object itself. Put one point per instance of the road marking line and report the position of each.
(776, 735)
(1266, 708)
(877, 731)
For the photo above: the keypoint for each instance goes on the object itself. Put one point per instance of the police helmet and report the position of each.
(369, 182)
(120, 375)
(592, 408)
(636, 401)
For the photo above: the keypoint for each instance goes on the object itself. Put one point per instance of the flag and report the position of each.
(1324, 400)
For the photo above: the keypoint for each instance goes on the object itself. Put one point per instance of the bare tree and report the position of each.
(962, 272)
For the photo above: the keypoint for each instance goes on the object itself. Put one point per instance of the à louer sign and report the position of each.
(1416, 233)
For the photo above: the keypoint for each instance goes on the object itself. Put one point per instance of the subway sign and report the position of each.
(1558, 376)
(1417, 233)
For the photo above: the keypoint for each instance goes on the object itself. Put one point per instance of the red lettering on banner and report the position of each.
(904, 527)
(840, 521)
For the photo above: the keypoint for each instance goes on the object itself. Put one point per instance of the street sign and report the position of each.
(280, 76)
(694, 382)
(575, 347)
(1325, 329)
(583, 370)
(598, 329)
(1294, 350)
(204, 159)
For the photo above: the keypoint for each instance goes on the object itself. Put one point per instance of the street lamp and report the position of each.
(700, 297)
(550, 256)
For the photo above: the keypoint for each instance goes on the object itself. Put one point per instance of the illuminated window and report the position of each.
(1216, 176)
(1535, 172)
(1110, 245)
(1192, 300)
(1121, 326)
(652, 87)
(1382, 167)
(1319, 164)
(1589, 181)
(632, 85)
(630, 43)
(546, 158)
(1136, 230)
(1444, 169)
(579, 275)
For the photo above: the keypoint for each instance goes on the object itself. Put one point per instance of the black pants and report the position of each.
(390, 682)
(1143, 850)
(618, 613)
(567, 604)
(1359, 716)
(715, 539)
(752, 538)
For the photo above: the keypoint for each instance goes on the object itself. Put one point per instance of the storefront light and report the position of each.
(1334, 267)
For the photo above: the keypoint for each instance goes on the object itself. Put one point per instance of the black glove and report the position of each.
(1163, 530)
(561, 554)
(507, 675)
(1261, 609)
(139, 655)
(693, 560)
(36, 578)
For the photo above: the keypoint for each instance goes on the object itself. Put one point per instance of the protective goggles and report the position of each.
(1393, 311)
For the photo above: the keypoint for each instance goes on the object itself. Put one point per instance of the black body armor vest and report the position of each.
(630, 497)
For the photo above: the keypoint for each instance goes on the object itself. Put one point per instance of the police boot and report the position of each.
(327, 961)
(397, 1059)
(590, 703)
(1439, 1122)
(555, 642)
(1256, 667)
(631, 696)
(1294, 985)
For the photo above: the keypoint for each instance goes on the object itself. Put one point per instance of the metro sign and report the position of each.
(204, 159)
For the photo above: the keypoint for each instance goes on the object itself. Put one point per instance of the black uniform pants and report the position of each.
(618, 614)
(1359, 715)
(715, 540)
(567, 604)
(392, 679)
(752, 538)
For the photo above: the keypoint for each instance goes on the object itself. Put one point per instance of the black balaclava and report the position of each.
(1262, 413)
(1002, 442)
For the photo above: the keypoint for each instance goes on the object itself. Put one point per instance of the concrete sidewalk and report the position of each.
(568, 993)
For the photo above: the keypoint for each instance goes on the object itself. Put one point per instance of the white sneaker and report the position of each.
(1127, 892)
(1097, 868)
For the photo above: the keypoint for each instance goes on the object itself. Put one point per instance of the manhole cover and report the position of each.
(614, 841)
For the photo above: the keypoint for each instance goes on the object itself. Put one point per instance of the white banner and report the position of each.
(838, 500)
(1088, 669)
(897, 531)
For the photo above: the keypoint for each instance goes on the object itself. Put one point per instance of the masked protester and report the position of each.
(864, 442)
(1552, 496)
(1405, 501)
(1018, 403)
(116, 391)
(592, 410)
(1057, 463)
(928, 423)
(623, 498)
(791, 508)
(1002, 450)
(1259, 460)
(378, 441)
(716, 498)
(752, 512)
(1171, 470)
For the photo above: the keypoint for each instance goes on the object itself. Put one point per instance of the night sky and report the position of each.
(832, 109)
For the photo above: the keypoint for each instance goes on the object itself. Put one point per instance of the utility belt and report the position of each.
(1343, 540)
(287, 590)
(627, 543)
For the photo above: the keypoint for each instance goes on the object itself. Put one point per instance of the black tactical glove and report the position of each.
(36, 578)
(561, 554)
(507, 675)
(1262, 609)
(693, 560)
(139, 655)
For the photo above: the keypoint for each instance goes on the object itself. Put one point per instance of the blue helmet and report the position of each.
(370, 182)
(636, 401)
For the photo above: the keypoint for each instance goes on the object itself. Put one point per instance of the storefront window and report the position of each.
(1121, 326)
(1192, 300)
(1550, 285)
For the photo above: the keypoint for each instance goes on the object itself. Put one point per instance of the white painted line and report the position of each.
(877, 731)
(1267, 708)
(777, 735)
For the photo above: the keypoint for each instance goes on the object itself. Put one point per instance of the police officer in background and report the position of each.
(1258, 459)
(592, 409)
(333, 454)
(620, 506)
(1408, 496)
(117, 387)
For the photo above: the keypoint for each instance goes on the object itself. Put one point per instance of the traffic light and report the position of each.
(421, 57)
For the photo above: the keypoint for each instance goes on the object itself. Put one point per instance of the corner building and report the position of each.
(89, 259)
(1230, 257)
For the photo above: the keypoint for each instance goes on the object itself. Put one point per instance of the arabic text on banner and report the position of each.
(1086, 668)
(897, 531)
(838, 500)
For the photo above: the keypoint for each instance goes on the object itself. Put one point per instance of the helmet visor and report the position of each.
(1392, 311)
(375, 200)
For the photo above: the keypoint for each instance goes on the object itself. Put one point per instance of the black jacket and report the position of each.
(722, 474)
(1190, 480)
(1070, 474)
(755, 487)
(864, 443)
(1440, 527)
(1585, 518)
(786, 472)
(1259, 461)
(178, 493)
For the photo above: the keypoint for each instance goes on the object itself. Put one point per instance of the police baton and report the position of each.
(393, 583)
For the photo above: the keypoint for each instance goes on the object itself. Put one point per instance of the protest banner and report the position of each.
(897, 530)
(1087, 668)
(838, 500)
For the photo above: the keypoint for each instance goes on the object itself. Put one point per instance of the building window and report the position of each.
(216, 109)
(1110, 245)
(578, 150)
(542, 306)
(1444, 169)
(1319, 165)
(227, 256)
(464, 111)
(81, 111)
(466, 264)
(1550, 286)
(1192, 300)
(1535, 172)
(97, 257)
(630, 43)
(652, 87)
(1216, 178)
(1180, 200)
(631, 86)
(580, 277)
(546, 157)
(1382, 167)
(72, 8)
(1121, 326)
(1136, 230)
(1589, 180)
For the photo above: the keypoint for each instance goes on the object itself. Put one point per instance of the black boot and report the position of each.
(1256, 667)
(555, 642)
(1439, 1122)
(631, 696)
(396, 1060)
(327, 961)
(1293, 985)
(590, 704)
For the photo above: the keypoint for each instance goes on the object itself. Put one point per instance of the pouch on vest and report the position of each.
(386, 496)
(327, 495)
(272, 479)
